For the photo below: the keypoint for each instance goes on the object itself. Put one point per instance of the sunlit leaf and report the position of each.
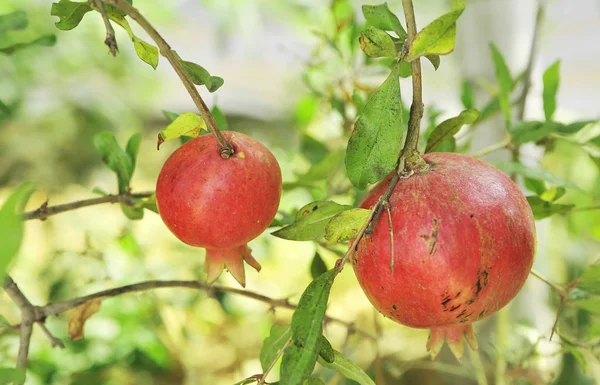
(377, 43)
(450, 127)
(438, 37)
(70, 13)
(374, 144)
(543, 209)
(11, 224)
(317, 266)
(273, 344)
(310, 221)
(186, 124)
(551, 80)
(13, 21)
(80, 315)
(381, 17)
(505, 82)
(348, 369)
(146, 51)
(346, 225)
(307, 329)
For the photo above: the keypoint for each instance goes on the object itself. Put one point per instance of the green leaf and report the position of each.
(13, 21)
(467, 96)
(543, 209)
(133, 147)
(505, 82)
(307, 329)
(574, 350)
(542, 174)
(171, 116)
(346, 225)
(535, 185)
(115, 158)
(575, 126)
(448, 128)
(348, 369)
(45, 40)
(4, 323)
(220, 118)
(70, 13)
(310, 221)
(591, 304)
(11, 376)
(381, 17)
(590, 275)
(374, 144)
(376, 43)
(551, 80)
(532, 131)
(278, 337)
(448, 145)
(552, 194)
(132, 212)
(435, 61)
(186, 124)
(11, 224)
(313, 381)
(404, 69)
(438, 37)
(317, 266)
(146, 51)
(326, 351)
(200, 76)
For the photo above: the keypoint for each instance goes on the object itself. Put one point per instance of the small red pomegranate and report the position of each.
(220, 204)
(463, 245)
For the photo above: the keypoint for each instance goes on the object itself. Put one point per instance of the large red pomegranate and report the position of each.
(220, 204)
(463, 245)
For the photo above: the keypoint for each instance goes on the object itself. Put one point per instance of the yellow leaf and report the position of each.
(187, 124)
(81, 314)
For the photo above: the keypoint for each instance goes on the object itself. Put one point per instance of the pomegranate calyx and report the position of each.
(230, 259)
(453, 336)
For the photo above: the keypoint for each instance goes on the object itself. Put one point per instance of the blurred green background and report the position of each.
(290, 70)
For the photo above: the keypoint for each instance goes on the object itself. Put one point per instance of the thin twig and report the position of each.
(491, 148)
(386, 204)
(226, 148)
(45, 211)
(559, 290)
(110, 40)
(272, 364)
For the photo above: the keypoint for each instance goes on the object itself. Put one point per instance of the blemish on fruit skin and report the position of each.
(394, 306)
(241, 155)
(431, 239)
(454, 308)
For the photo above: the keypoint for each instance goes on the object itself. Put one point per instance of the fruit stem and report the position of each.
(410, 153)
(225, 148)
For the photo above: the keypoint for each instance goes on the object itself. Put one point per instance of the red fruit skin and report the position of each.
(464, 243)
(216, 203)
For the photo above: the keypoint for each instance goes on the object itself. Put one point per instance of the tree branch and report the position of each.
(45, 211)
(110, 40)
(226, 148)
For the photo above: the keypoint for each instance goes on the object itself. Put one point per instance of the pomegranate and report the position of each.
(220, 204)
(463, 245)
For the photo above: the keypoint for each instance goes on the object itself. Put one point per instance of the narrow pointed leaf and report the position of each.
(273, 344)
(310, 221)
(377, 43)
(317, 266)
(346, 225)
(326, 351)
(533, 173)
(133, 147)
(448, 128)
(505, 82)
(70, 13)
(435, 61)
(115, 158)
(348, 369)
(467, 96)
(186, 124)
(307, 329)
(381, 17)
(220, 118)
(12, 376)
(532, 131)
(200, 76)
(374, 144)
(11, 225)
(551, 79)
(45, 41)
